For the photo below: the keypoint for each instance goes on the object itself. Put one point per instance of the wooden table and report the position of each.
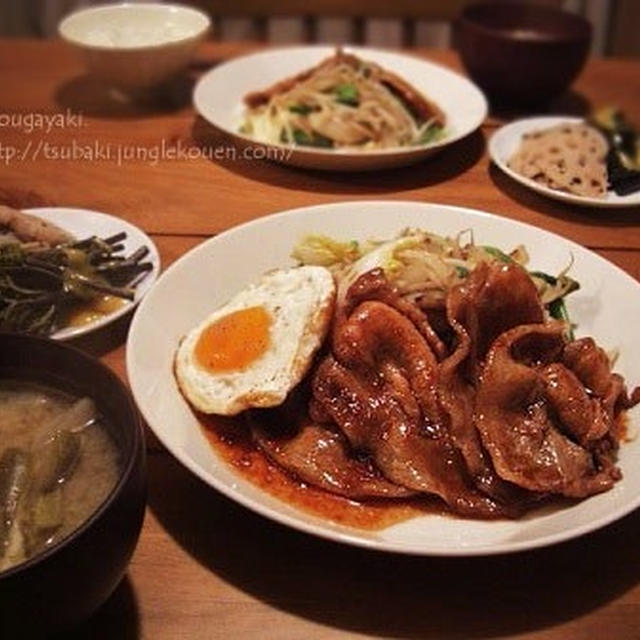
(207, 568)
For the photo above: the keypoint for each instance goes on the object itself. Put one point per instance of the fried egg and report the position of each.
(252, 351)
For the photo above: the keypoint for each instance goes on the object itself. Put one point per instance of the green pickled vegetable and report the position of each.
(621, 134)
(623, 158)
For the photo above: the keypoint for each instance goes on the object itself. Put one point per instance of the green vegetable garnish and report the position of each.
(431, 134)
(498, 254)
(563, 282)
(549, 279)
(311, 140)
(559, 287)
(347, 94)
(302, 109)
(558, 310)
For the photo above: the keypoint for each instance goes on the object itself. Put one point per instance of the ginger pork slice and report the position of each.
(421, 108)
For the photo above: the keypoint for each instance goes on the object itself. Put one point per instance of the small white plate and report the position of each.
(218, 97)
(505, 142)
(83, 223)
(231, 260)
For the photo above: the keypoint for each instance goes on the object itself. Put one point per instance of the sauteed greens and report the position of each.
(40, 284)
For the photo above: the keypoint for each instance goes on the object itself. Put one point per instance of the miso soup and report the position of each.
(57, 465)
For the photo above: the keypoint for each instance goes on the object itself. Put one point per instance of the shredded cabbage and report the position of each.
(323, 251)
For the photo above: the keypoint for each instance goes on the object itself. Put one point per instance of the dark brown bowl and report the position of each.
(62, 586)
(521, 54)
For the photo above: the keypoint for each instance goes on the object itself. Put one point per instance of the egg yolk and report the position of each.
(234, 341)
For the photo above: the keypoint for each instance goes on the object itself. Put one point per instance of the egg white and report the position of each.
(300, 304)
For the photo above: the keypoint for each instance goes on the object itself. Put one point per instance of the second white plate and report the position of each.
(506, 140)
(219, 94)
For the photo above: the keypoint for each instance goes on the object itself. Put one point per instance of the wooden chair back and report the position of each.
(340, 21)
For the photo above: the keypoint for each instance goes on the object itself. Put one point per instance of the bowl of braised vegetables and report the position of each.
(72, 484)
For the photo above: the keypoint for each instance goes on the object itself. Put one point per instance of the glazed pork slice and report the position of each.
(258, 98)
(321, 457)
(581, 417)
(592, 366)
(373, 285)
(493, 298)
(421, 108)
(379, 387)
(517, 422)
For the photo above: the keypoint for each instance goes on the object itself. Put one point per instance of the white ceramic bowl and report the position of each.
(135, 46)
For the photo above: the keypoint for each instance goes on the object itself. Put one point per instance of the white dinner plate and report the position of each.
(506, 140)
(211, 273)
(83, 223)
(218, 97)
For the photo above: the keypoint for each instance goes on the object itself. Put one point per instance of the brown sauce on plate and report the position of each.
(231, 439)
